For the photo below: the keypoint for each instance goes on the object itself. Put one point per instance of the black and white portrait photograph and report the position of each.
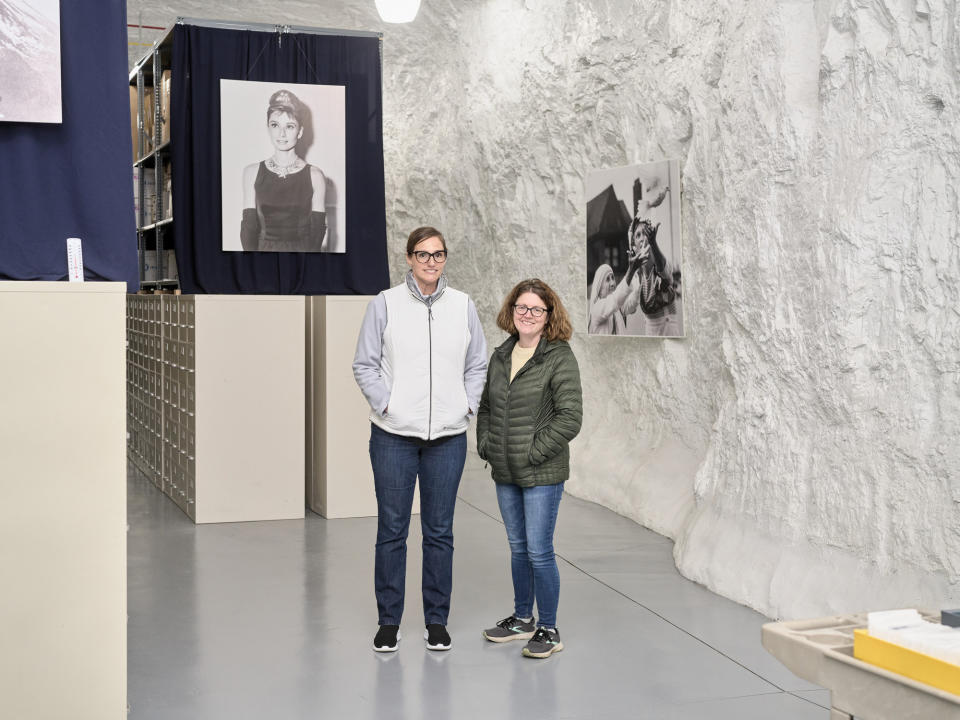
(634, 264)
(283, 166)
(30, 61)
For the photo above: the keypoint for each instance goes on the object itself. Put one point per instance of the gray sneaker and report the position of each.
(511, 628)
(544, 643)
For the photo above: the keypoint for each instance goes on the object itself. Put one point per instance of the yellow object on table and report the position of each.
(904, 661)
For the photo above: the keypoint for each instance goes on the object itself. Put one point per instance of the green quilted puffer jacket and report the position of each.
(524, 427)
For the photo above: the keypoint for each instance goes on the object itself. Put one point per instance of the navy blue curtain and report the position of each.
(74, 179)
(201, 58)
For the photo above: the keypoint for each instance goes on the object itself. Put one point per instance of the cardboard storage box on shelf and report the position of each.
(148, 202)
(136, 192)
(150, 265)
(134, 127)
(170, 265)
(165, 106)
(167, 192)
(148, 118)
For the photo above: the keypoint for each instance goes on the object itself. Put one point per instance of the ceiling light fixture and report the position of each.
(398, 11)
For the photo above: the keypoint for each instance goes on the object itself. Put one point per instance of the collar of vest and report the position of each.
(415, 289)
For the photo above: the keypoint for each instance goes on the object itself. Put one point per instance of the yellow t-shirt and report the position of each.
(519, 357)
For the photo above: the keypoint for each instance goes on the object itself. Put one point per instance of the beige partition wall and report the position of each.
(63, 614)
(339, 478)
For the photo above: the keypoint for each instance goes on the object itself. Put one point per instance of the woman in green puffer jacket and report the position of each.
(531, 409)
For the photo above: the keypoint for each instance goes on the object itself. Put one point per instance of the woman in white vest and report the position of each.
(421, 362)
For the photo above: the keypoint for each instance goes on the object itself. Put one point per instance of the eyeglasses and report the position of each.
(422, 256)
(535, 312)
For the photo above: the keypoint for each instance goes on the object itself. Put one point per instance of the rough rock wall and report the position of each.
(799, 444)
(831, 475)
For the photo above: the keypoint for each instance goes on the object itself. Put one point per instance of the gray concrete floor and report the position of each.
(276, 619)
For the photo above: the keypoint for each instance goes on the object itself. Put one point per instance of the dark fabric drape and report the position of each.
(201, 58)
(74, 179)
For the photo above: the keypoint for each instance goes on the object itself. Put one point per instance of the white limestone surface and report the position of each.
(800, 444)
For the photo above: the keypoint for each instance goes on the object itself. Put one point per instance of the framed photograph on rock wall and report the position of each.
(634, 255)
(283, 173)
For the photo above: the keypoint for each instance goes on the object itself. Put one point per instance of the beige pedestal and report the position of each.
(63, 612)
(339, 478)
(249, 416)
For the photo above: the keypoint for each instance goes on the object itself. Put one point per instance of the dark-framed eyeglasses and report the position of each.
(535, 312)
(422, 256)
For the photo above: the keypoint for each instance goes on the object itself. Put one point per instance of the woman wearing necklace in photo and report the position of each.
(283, 196)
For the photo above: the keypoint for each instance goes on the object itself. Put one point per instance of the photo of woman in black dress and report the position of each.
(284, 196)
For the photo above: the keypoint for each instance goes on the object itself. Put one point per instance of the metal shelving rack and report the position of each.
(161, 399)
(155, 225)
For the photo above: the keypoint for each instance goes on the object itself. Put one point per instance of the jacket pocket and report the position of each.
(544, 415)
(407, 411)
(450, 410)
(533, 456)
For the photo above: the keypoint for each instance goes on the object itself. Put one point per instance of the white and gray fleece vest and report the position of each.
(424, 353)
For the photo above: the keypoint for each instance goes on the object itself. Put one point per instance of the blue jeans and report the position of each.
(530, 516)
(397, 462)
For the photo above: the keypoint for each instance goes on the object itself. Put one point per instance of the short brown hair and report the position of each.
(558, 325)
(423, 233)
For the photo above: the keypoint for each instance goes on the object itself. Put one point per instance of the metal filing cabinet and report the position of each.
(144, 402)
(216, 397)
(178, 372)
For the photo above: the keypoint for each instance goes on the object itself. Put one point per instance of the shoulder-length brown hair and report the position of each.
(558, 325)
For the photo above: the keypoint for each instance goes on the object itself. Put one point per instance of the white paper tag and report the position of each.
(74, 260)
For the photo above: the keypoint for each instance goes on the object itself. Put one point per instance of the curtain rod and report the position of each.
(265, 27)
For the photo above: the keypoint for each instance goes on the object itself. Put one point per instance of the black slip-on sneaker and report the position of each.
(437, 637)
(387, 638)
